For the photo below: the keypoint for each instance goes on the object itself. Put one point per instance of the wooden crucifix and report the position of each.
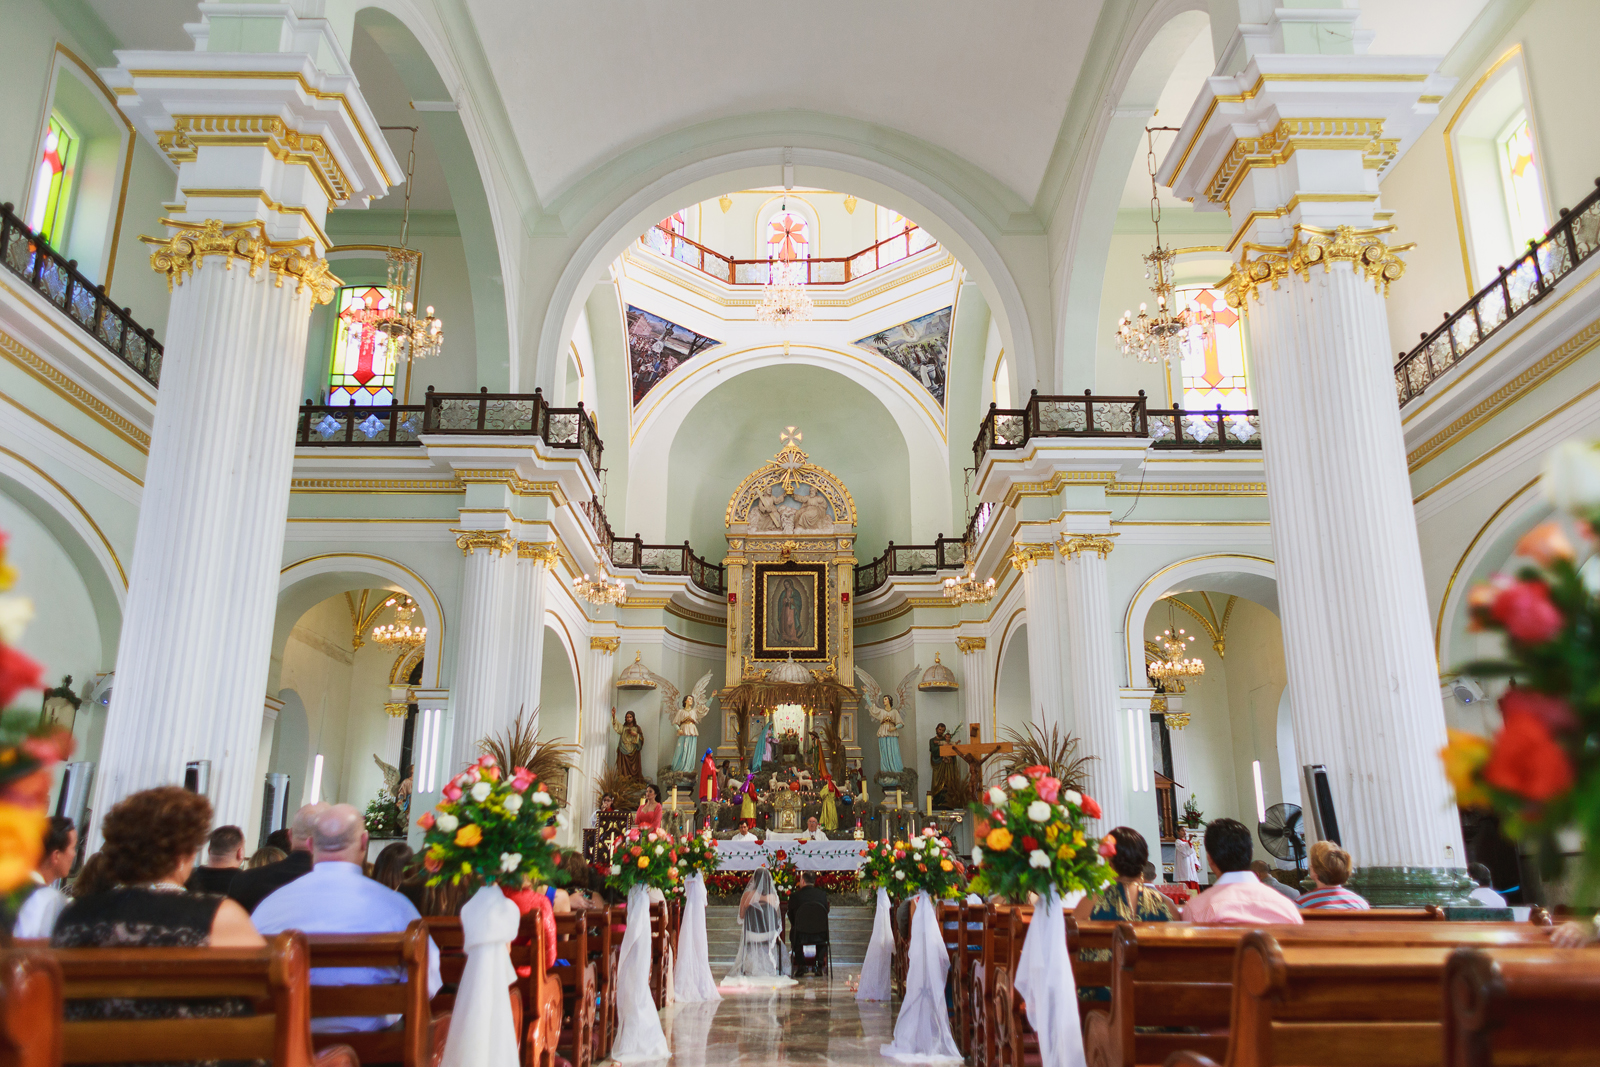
(975, 752)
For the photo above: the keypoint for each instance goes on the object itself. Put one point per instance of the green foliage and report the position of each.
(649, 859)
(1031, 838)
(491, 829)
(384, 817)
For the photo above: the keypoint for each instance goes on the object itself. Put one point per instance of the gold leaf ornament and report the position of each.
(183, 253)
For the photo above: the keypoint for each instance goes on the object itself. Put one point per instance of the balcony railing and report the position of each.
(668, 559)
(1572, 240)
(1114, 416)
(59, 281)
(946, 553)
(833, 271)
(327, 424)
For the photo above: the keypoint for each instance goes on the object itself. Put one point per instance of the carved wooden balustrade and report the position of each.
(838, 270)
(56, 278)
(1115, 416)
(946, 553)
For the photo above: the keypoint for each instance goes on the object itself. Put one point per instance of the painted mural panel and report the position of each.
(920, 347)
(657, 347)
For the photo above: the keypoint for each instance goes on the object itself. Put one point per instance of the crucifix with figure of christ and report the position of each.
(975, 752)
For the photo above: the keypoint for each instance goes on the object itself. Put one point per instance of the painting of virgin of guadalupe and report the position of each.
(789, 612)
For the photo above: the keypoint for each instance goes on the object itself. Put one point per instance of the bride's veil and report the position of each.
(760, 954)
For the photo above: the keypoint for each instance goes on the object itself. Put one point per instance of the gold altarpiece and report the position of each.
(791, 528)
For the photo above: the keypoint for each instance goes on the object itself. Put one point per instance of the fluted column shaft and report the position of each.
(477, 694)
(1092, 673)
(977, 678)
(197, 633)
(525, 649)
(1041, 590)
(596, 728)
(1356, 631)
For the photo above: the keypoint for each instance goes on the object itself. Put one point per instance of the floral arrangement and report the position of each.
(384, 817)
(926, 862)
(785, 876)
(1031, 838)
(697, 854)
(732, 883)
(649, 859)
(1192, 815)
(877, 868)
(492, 829)
(25, 763)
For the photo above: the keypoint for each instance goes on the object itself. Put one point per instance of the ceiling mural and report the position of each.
(920, 347)
(657, 347)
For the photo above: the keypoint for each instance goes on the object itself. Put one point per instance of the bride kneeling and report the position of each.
(761, 960)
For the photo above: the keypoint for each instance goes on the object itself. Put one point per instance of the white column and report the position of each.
(596, 731)
(1041, 589)
(977, 685)
(525, 652)
(1092, 672)
(478, 688)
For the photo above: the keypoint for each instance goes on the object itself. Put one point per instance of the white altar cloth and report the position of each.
(811, 856)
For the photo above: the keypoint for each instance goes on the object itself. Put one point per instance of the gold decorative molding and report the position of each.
(689, 615)
(1187, 489)
(77, 395)
(969, 645)
(1274, 148)
(1216, 626)
(182, 253)
(515, 482)
(1025, 554)
(605, 644)
(1364, 250)
(539, 551)
(375, 485)
(1072, 545)
(271, 204)
(493, 540)
(285, 144)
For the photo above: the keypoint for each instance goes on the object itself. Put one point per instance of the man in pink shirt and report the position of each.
(1236, 895)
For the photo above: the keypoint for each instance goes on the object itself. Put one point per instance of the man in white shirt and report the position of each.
(338, 898)
(37, 917)
(1484, 896)
(814, 830)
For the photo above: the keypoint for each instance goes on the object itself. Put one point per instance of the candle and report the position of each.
(930, 803)
(675, 801)
(897, 800)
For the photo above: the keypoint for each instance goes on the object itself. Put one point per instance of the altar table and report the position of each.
(812, 856)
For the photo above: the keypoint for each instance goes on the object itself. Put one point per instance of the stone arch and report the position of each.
(1488, 550)
(309, 581)
(1011, 698)
(1254, 578)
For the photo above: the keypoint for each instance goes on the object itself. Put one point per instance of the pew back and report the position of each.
(406, 953)
(1520, 1007)
(30, 1009)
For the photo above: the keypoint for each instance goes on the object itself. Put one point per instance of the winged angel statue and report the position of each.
(398, 790)
(890, 716)
(686, 713)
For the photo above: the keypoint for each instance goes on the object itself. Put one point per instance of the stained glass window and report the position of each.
(1213, 368)
(1520, 180)
(788, 237)
(52, 183)
(363, 363)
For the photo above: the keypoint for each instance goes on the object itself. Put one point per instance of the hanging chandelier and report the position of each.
(1153, 338)
(1177, 665)
(413, 337)
(967, 589)
(401, 635)
(784, 298)
(600, 589)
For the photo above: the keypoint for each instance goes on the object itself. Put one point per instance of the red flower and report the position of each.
(17, 672)
(1037, 771)
(923, 868)
(51, 747)
(1030, 843)
(1524, 609)
(1090, 807)
(1527, 761)
(1554, 712)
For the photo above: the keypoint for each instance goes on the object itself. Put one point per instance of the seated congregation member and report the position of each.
(1264, 873)
(265, 855)
(1484, 896)
(131, 895)
(279, 839)
(337, 897)
(251, 887)
(1236, 895)
(760, 960)
(396, 867)
(1128, 899)
(1330, 869)
(808, 922)
(224, 858)
(37, 916)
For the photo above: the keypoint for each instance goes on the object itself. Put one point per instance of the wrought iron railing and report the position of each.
(632, 552)
(946, 553)
(1114, 416)
(59, 281)
(510, 414)
(1571, 241)
(329, 424)
(817, 271)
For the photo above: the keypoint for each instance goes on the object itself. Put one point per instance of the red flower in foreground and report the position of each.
(1554, 712)
(1524, 609)
(1527, 761)
(1030, 843)
(17, 672)
(1090, 807)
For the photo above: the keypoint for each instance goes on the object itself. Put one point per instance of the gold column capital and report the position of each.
(1024, 554)
(469, 541)
(539, 551)
(1363, 249)
(182, 254)
(969, 645)
(605, 644)
(1071, 545)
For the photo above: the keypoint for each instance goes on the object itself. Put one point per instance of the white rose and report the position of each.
(510, 861)
(900, 875)
(513, 803)
(481, 791)
(1072, 796)
(15, 614)
(541, 797)
(1039, 811)
(977, 856)
(659, 850)
(918, 843)
(1037, 858)
(447, 822)
(933, 850)
(562, 822)
(1571, 478)
(1017, 781)
(997, 796)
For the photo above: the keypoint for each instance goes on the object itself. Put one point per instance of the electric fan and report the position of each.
(1281, 835)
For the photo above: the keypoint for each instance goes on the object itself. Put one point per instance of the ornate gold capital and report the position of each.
(605, 644)
(494, 540)
(969, 645)
(1025, 553)
(1072, 544)
(539, 551)
(1364, 250)
(181, 254)
(190, 133)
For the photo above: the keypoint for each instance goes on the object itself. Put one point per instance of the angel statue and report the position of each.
(397, 789)
(686, 715)
(889, 715)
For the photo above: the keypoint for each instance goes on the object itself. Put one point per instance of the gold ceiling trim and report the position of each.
(59, 432)
(69, 390)
(690, 615)
(883, 616)
(1275, 147)
(661, 270)
(376, 485)
(1187, 489)
(515, 482)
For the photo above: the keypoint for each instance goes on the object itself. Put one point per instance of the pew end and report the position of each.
(30, 1009)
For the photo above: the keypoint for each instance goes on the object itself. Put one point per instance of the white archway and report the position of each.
(345, 571)
(1253, 577)
(1492, 542)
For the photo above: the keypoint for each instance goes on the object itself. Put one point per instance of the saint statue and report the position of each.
(889, 715)
(630, 746)
(759, 754)
(706, 787)
(946, 787)
(686, 715)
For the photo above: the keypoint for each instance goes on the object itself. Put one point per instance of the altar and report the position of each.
(809, 856)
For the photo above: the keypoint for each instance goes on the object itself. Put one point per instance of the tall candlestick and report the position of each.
(674, 800)
(897, 800)
(930, 803)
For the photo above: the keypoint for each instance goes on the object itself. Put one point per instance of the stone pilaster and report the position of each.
(596, 727)
(479, 689)
(525, 650)
(1092, 672)
(1041, 590)
(977, 684)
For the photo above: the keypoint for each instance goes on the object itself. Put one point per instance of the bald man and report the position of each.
(338, 898)
(250, 888)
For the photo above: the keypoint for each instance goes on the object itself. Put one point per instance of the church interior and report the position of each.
(826, 419)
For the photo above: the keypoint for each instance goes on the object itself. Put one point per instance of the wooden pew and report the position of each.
(535, 996)
(277, 978)
(1176, 975)
(660, 954)
(1429, 913)
(576, 971)
(605, 950)
(30, 1009)
(421, 1041)
(1521, 1007)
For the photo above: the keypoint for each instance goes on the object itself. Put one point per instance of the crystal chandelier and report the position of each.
(400, 636)
(1153, 338)
(966, 589)
(415, 338)
(600, 589)
(784, 299)
(1176, 666)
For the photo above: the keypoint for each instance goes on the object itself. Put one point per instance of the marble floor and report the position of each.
(815, 1022)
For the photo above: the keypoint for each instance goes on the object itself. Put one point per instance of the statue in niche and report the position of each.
(813, 517)
(889, 715)
(686, 715)
(765, 516)
(947, 789)
(630, 745)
